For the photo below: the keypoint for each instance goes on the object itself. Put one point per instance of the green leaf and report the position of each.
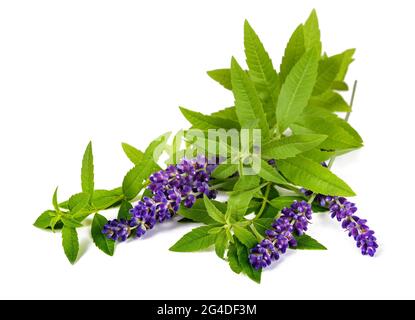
(78, 202)
(55, 200)
(271, 174)
(243, 259)
(312, 33)
(238, 204)
(69, 221)
(101, 241)
(221, 244)
(318, 155)
(124, 211)
(70, 243)
(310, 175)
(213, 212)
(261, 72)
(305, 242)
(340, 86)
(247, 103)
(263, 224)
(284, 202)
(331, 101)
(224, 171)
(247, 183)
(328, 68)
(296, 90)
(291, 146)
(135, 155)
(195, 240)
(227, 113)
(87, 172)
(245, 236)
(346, 58)
(134, 180)
(233, 259)
(293, 52)
(223, 76)
(44, 220)
(104, 199)
(198, 213)
(206, 122)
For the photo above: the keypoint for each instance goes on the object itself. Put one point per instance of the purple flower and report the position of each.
(182, 183)
(344, 211)
(294, 219)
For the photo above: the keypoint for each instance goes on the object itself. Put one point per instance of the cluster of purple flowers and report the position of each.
(293, 221)
(181, 183)
(344, 211)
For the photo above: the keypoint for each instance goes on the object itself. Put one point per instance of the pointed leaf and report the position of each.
(195, 240)
(224, 171)
(248, 106)
(198, 213)
(312, 33)
(233, 259)
(305, 242)
(261, 72)
(291, 146)
(271, 174)
(223, 76)
(328, 68)
(44, 220)
(243, 258)
(221, 244)
(296, 90)
(55, 200)
(70, 243)
(331, 101)
(87, 172)
(101, 241)
(310, 175)
(135, 155)
(204, 122)
(293, 52)
(245, 236)
(124, 211)
(214, 212)
(247, 183)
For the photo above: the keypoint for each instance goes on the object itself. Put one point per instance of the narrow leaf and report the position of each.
(297, 90)
(223, 76)
(312, 33)
(124, 211)
(224, 171)
(243, 258)
(206, 122)
(293, 52)
(247, 183)
(135, 155)
(87, 172)
(263, 224)
(305, 242)
(328, 68)
(69, 221)
(43, 221)
(55, 200)
(233, 259)
(195, 240)
(245, 236)
(213, 212)
(310, 175)
(198, 212)
(70, 243)
(331, 101)
(271, 174)
(221, 244)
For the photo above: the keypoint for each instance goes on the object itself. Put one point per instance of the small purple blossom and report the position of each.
(293, 220)
(344, 211)
(182, 183)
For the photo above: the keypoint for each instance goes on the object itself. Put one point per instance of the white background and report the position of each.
(113, 71)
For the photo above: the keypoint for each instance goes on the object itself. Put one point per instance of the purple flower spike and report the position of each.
(182, 183)
(294, 219)
(344, 211)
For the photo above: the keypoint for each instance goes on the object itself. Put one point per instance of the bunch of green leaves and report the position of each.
(70, 215)
(296, 110)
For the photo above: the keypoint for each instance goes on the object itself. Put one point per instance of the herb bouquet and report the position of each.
(268, 159)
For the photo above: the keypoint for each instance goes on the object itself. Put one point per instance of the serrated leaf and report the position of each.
(124, 211)
(312, 33)
(318, 155)
(238, 204)
(221, 244)
(305, 242)
(310, 175)
(223, 76)
(87, 172)
(293, 52)
(233, 259)
(247, 183)
(296, 90)
(213, 212)
(284, 202)
(346, 58)
(70, 243)
(101, 241)
(291, 146)
(248, 106)
(261, 71)
(271, 174)
(43, 221)
(227, 113)
(263, 224)
(328, 68)
(331, 101)
(78, 202)
(224, 171)
(245, 236)
(206, 122)
(103, 199)
(195, 240)
(198, 212)
(69, 221)
(135, 155)
(243, 259)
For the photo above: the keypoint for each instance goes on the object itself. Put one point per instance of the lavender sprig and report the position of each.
(293, 220)
(182, 183)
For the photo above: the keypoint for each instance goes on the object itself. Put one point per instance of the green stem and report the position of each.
(264, 202)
